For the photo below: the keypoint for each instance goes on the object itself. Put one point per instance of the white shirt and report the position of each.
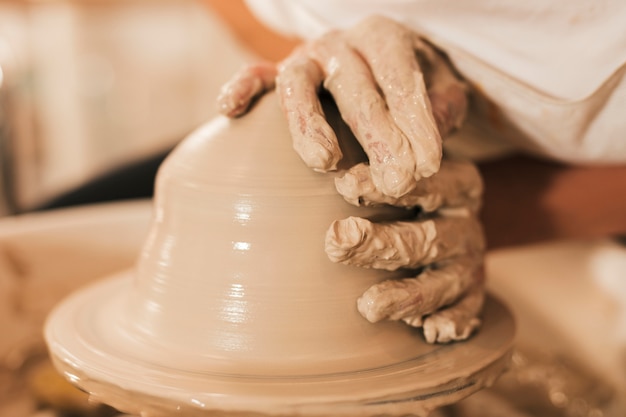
(551, 74)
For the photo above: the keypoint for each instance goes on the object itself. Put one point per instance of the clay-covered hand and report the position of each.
(441, 251)
(398, 95)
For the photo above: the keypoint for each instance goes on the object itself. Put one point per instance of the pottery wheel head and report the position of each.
(234, 306)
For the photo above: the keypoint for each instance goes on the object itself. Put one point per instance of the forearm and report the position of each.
(255, 36)
(530, 201)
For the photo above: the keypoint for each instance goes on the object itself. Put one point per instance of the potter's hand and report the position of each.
(397, 94)
(443, 248)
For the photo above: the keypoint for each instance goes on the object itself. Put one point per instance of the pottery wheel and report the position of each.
(89, 344)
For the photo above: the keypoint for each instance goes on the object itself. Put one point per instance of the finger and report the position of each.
(458, 321)
(449, 106)
(389, 49)
(448, 94)
(457, 184)
(391, 246)
(298, 81)
(350, 82)
(248, 83)
(412, 298)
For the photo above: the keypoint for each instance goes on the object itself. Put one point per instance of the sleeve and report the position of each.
(550, 75)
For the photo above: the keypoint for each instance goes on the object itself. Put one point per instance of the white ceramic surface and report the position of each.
(234, 305)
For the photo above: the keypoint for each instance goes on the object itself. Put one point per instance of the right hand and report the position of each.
(398, 95)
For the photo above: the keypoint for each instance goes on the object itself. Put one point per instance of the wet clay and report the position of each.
(234, 307)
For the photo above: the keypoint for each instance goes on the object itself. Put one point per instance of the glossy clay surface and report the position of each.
(234, 305)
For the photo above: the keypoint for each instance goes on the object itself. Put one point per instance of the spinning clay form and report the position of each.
(234, 307)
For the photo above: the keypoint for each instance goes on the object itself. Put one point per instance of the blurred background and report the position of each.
(92, 89)
(87, 87)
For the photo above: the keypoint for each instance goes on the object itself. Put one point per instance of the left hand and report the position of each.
(442, 249)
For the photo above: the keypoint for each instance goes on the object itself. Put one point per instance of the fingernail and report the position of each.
(430, 332)
(224, 104)
(317, 156)
(349, 187)
(414, 321)
(428, 163)
(351, 232)
(367, 306)
(231, 105)
(397, 182)
(382, 301)
(341, 237)
(427, 169)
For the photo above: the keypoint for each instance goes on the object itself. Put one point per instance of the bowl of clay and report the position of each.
(233, 307)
